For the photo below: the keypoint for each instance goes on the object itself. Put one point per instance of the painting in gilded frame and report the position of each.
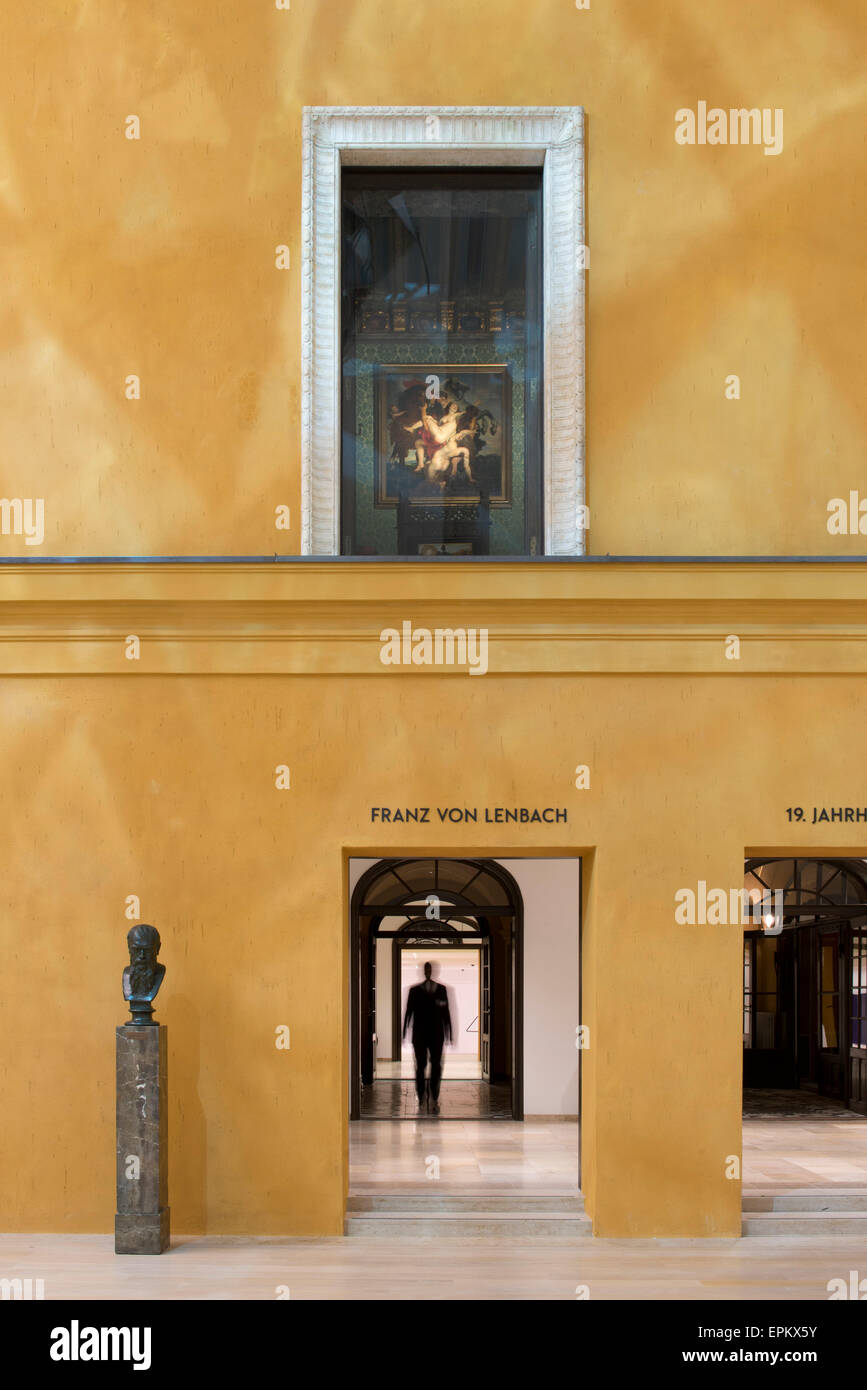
(443, 432)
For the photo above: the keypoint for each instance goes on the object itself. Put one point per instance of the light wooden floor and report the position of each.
(491, 1157)
(203, 1267)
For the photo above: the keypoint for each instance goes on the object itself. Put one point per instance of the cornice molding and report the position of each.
(793, 619)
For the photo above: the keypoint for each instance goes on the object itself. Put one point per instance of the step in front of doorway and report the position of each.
(419, 1203)
(469, 1216)
(805, 1223)
(467, 1226)
(844, 1199)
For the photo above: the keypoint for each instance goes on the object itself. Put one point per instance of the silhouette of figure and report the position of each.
(428, 1006)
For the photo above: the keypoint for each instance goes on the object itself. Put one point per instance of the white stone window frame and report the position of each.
(550, 138)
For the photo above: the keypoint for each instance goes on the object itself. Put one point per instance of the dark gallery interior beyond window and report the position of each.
(441, 344)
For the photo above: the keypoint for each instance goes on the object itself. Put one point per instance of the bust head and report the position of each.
(144, 944)
(143, 976)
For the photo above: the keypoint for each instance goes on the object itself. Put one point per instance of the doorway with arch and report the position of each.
(463, 917)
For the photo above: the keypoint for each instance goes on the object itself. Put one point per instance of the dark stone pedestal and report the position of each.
(141, 1223)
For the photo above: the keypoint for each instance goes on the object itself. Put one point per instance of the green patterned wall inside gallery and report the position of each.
(377, 524)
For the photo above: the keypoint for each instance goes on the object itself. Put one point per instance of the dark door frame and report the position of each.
(809, 909)
(513, 908)
(856, 1062)
(833, 1068)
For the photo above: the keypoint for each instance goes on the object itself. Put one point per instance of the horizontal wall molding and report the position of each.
(796, 619)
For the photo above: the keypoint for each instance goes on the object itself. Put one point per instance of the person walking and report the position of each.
(428, 1006)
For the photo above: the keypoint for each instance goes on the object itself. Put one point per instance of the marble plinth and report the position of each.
(141, 1223)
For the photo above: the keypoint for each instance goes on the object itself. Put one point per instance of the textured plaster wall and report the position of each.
(156, 256)
(164, 787)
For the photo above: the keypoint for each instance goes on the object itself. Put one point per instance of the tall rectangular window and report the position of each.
(829, 994)
(765, 991)
(859, 989)
(441, 356)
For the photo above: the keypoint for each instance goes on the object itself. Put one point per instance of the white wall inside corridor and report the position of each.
(459, 972)
(383, 992)
(552, 904)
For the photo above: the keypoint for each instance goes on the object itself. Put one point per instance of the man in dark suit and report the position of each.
(428, 1007)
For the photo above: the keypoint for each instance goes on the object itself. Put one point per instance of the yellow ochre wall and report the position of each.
(164, 787)
(156, 257)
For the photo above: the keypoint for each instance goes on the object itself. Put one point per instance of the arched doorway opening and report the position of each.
(447, 909)
(805, 982)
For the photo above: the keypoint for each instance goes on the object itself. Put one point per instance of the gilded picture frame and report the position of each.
(443, 431)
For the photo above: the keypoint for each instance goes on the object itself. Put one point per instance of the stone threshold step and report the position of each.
(483, 1190)
(412, 1202)
(794, 1189)
(445, 1216)
(805, 1201)
(805, 1223)
(469, 1225)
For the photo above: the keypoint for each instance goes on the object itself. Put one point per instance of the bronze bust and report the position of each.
(143, 976)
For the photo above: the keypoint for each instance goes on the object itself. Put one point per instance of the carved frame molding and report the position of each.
(548, 137)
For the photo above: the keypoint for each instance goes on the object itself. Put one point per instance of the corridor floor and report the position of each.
(768, 1104)
(459, 1100)
(781, 1155)
(473, 1155)
(778, 1155)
